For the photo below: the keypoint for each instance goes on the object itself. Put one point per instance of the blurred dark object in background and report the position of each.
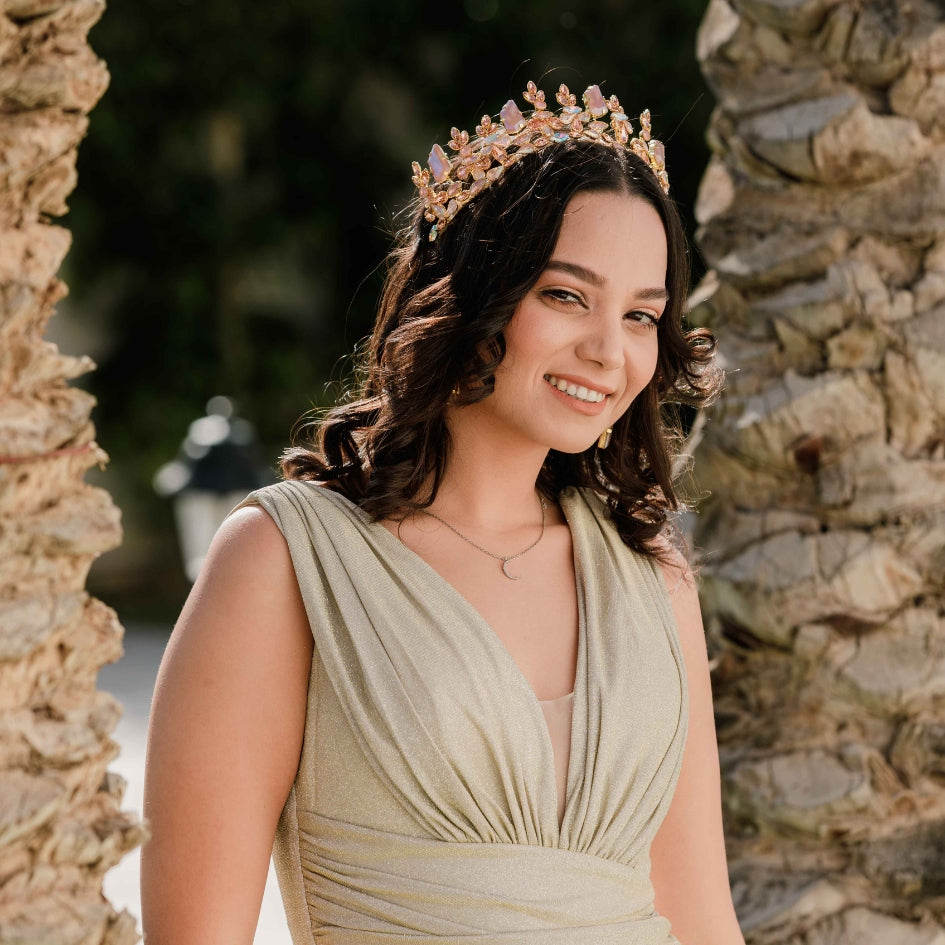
(216, 465)
(239, 186)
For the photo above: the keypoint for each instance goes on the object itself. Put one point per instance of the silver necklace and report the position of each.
(505, 559)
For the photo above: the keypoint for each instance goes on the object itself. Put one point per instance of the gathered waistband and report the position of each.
(371, 886)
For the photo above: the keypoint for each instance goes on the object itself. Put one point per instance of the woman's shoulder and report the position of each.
(249, 545)
(294, 491)
(667, 548)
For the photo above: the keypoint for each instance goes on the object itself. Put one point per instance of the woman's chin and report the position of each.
(572, 445)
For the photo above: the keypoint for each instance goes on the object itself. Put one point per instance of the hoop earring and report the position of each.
(603, 441)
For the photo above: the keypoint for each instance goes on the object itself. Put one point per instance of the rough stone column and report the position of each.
(60, 823)
(822, 215)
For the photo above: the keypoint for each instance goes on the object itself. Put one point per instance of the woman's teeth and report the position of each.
(576, 390)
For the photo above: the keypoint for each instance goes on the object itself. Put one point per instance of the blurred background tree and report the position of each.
(240, 184)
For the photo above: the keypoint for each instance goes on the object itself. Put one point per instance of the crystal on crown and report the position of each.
(512, 117)
(448, 183)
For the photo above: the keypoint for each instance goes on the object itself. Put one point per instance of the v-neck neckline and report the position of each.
(494, 641)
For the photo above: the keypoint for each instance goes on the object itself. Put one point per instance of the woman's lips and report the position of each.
(582, 397)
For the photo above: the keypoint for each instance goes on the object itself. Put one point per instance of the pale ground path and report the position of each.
(131, 680)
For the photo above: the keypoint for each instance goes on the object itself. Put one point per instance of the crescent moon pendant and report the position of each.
(511, 577)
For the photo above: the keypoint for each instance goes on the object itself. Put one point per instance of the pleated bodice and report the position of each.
(426, 804)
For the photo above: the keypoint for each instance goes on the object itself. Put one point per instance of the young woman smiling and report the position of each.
(454, 663)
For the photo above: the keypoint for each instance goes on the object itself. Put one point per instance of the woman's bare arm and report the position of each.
(689, 870)
(225, 735)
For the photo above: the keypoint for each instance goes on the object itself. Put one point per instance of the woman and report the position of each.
(451, 661)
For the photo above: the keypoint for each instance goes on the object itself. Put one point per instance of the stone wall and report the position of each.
(61, 826)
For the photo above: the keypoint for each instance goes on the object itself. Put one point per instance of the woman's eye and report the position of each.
(563, 296)
(644, 318)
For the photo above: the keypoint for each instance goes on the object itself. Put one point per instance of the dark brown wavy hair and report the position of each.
(440, 327)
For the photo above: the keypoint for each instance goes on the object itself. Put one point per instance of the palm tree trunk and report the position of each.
(60, 823)
(822, 215)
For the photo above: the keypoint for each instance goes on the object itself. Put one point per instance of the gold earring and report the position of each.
(603, 441)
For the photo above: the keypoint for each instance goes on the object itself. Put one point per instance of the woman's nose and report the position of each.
(603, 343)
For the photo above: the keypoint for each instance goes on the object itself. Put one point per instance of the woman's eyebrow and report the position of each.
(573, 269)
(655, 294)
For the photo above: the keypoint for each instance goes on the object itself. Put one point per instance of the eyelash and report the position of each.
(572, 299)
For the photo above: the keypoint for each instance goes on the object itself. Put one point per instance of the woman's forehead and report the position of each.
(607, 234)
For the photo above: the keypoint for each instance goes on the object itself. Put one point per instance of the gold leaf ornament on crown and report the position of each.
(449, 183)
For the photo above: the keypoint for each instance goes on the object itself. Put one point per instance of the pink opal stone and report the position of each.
(595, 102)
(511, 116)
(439, 164)
(659, 152)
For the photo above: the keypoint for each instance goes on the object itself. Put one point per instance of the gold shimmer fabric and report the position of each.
(426, 804)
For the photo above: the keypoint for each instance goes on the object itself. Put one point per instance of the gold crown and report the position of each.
(450, 183)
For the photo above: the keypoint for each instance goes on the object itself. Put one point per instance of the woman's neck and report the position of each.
(489, 481)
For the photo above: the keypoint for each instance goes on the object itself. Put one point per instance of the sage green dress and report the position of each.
(425, 805)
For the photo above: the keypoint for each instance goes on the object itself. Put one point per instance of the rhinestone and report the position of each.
(440, 211)
(645, 126)
(512, 117)
(439, 164)
(658, 151)
(594, 101)
(564, 96)
(495, 173)
(560, 136)
(433, 232)
(476, 186)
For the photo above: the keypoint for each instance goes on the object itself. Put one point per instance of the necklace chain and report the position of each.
(505, 559)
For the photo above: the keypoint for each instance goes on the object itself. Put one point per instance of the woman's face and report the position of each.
(583, 342)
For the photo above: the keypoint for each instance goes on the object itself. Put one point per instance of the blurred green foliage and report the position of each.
(241, 178)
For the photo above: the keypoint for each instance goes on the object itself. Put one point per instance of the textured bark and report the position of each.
(822, 215)
(61, 826)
